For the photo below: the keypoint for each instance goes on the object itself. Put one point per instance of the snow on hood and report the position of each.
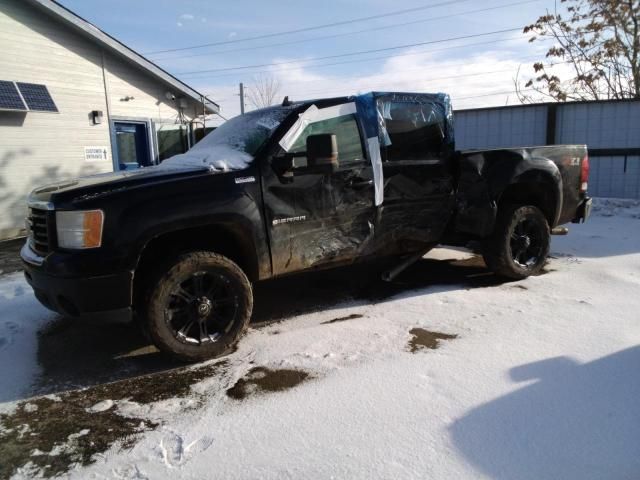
(218, 158)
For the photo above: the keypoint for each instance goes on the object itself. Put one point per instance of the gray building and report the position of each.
(611, 130)
(75, 101)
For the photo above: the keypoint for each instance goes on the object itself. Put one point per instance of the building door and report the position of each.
(132, 145)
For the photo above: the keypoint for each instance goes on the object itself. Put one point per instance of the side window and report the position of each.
(345, 128)
(415, 131)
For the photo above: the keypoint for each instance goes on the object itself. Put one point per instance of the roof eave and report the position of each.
(125, 52)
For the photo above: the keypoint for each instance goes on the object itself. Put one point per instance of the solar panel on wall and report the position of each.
(37, 97)
(9, 97)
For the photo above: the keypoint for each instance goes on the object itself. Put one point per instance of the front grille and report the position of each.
(39, 230)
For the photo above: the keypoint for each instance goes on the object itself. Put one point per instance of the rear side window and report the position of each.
(345, 128)
(414, 131)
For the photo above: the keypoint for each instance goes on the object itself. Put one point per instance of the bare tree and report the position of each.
(263, 91)
(599, 41)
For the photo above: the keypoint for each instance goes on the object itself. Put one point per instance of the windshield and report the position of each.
(233, 144)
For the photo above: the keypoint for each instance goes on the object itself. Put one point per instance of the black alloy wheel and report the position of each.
(202, 308)
(199, 307)
(526, 242)
(519, 244)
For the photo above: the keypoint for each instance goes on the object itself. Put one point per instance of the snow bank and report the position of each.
(621, 207)
(540, 382)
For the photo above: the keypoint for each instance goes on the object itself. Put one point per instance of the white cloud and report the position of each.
(461, 78)
(188, 17)
(232, 34)
(483, 79)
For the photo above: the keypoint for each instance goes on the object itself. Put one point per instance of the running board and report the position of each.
(559, 231)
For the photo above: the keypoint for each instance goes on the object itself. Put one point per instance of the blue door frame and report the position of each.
(132, 144)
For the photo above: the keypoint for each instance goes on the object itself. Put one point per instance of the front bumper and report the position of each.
(584, 211)
(77, 295)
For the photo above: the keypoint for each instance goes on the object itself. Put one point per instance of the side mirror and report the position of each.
(322, 153)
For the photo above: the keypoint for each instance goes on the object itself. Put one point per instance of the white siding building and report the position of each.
(74, 101)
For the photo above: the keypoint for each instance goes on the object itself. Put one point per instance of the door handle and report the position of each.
(359, 183)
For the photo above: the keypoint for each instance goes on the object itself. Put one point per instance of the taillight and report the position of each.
(584, 174)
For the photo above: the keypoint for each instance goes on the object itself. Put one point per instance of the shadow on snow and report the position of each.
(573, 421)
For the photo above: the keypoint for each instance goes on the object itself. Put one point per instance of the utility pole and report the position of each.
(241, 98)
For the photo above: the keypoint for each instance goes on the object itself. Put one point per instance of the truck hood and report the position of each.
(203, 159)
(96, 186)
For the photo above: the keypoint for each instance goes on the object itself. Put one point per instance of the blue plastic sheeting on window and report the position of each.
(439, 102)
(366, 107)
(374, 107)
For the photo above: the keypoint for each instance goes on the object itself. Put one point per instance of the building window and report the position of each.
(172, 140)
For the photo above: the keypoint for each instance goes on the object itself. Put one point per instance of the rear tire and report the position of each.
(519, 244)
(199, 307)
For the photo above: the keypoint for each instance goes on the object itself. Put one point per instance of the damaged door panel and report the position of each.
(418, 182)
(325, 217)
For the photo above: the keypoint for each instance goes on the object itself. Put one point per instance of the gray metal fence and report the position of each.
(611, 129)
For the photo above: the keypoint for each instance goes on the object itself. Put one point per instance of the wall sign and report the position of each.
(96, 154)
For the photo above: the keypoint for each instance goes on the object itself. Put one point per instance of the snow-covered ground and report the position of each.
(529, 380)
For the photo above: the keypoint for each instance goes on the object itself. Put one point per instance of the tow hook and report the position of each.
(559, 231)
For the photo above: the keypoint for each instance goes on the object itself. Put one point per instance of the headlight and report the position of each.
(80, 229)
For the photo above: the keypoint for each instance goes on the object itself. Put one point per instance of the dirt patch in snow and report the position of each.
(353, 316)
(50, 434)
(425, 339)
(262, 379)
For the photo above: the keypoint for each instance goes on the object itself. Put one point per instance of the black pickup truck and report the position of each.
(299, 186)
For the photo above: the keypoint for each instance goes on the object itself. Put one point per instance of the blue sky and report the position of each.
(475, 74)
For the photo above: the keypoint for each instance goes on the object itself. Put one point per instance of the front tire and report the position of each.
(199, 307)
(519, 244)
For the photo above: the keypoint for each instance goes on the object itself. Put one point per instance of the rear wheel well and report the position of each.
(531, 193)
(221, 239)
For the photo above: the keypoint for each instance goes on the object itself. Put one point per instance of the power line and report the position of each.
(447, 77)
(243, 67)
(339, 90)
(424, 67)
(344, 34)
(307, 29)
(493, 94)
(379, 57)
(429, 79)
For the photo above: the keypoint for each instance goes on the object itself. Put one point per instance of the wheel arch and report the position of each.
(228, 239)
(537, 188)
